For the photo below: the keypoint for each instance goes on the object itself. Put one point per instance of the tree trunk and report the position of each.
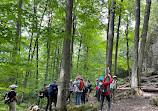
(72, 40)
(143, 38)
(117, 41)
(108, 28)
(65, 66)
(14, 73)
(86, 60)
(127, 54)
(79, 51)
(57, 64)
(29, 58)
(110, 39)
(47, 66)
(134, 79)
(48, 49)
(18, 28)
(37, 64)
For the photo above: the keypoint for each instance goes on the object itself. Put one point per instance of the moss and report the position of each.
(154, 101)
(87, 107)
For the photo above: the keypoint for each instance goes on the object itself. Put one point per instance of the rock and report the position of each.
(143, 79)
(150, 64)
(153, 80)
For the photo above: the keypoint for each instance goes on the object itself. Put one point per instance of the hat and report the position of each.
(114, 76)
(13, 86)
(78, 77)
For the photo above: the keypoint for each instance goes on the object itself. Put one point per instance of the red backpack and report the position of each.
(81, 85)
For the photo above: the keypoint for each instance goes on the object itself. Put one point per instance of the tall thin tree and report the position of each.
(117, 40)
(134, 78)
(110, 38)
(65, 66)
(127, 43)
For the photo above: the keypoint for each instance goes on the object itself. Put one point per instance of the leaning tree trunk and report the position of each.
(110, 39)
(143, 38)
(134, 79)
(117, 41)
(65, 66)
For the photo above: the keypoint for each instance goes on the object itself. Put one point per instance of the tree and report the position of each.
(117, 41)
(110, 38)
(65, 66)
(127, 43)
(143, 38)
(134, 76)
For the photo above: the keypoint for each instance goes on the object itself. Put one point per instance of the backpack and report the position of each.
(85, 89)
(81, 85)
(52, 89)
(7, 99)
(102, 90)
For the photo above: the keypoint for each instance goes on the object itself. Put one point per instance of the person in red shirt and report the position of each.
(105, 84)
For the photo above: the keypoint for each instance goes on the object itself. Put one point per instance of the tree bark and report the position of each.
(72, 40)
(65, 66)
(117, 41)
(143, 38)
(134, 79)
(110, 39)
(127, 54)
(14, 72)
(47, 66)
(86, 60)
(108, 28)
(79, 50)
(57, 64)
(18, 27)
(48, 49)
(37, 64)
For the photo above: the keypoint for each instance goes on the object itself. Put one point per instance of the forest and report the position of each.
(44, 40)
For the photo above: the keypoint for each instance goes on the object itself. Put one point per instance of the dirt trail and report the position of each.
(129, 103)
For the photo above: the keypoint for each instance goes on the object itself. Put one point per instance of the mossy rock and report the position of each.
(154, 101)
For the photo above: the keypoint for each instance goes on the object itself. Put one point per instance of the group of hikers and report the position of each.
(79, 89)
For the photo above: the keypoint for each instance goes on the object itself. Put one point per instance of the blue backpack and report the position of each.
(52, 89)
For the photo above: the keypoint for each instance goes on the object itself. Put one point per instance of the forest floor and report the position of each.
(125, 102)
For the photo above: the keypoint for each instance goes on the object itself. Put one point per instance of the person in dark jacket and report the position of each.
(47, 96)
(53, 91)
(41, 96)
